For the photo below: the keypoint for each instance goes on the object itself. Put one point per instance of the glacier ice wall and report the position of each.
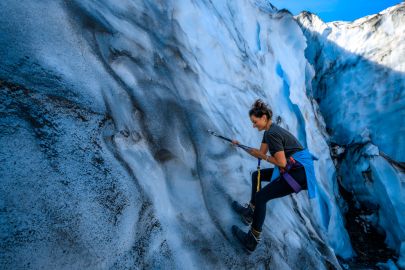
(360, 86)
(106, 162)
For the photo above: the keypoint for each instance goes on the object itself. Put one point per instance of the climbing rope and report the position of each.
(258, 175)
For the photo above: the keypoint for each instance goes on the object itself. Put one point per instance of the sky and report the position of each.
(336, 10)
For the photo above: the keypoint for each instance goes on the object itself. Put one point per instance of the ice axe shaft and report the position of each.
(244, 147)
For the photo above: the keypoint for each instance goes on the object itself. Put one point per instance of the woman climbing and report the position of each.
(293, 171)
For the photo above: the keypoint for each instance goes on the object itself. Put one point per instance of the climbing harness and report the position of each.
(291, 163)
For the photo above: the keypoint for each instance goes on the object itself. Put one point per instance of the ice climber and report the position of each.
(293, 172)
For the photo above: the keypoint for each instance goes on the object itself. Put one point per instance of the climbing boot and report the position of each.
(246, 212)
(248, 240)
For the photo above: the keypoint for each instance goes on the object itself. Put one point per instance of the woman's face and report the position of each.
(259, 122)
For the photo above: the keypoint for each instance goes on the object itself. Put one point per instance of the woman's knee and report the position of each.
(260, 199)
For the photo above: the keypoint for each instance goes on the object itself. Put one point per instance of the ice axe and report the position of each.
(244, 147)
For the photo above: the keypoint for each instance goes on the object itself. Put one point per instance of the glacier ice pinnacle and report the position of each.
(361, 65)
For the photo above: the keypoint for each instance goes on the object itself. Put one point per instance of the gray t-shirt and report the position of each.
(279, 139)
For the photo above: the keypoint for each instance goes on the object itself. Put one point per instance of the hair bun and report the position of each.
(259, 105)
(259, 108)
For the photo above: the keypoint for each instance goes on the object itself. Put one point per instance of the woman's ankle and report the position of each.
(255, 232)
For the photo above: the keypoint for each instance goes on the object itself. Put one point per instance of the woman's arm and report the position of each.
(278, 159)
(264, 148)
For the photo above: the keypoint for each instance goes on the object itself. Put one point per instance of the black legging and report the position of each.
(277, 188)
